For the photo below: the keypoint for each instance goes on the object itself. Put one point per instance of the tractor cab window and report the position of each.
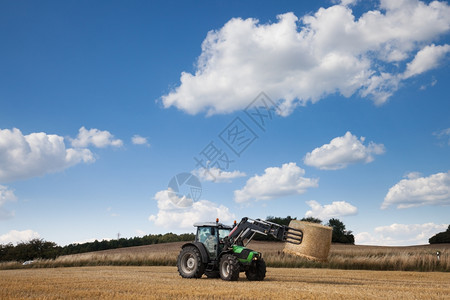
(208, 236)
(203, 234)
(223, 233)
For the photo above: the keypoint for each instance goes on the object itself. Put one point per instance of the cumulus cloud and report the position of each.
(95, 137)
(328, 211)
(275, 182)
(172, 216)
(36, 154)
(15, 236)
(217, 175)
(426, 59)
(297, 60)
(341, 152)
(139, 140)
(400, 234)
(418, 191)
(6, 195)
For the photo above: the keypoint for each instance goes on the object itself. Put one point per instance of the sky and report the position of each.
(121, 119)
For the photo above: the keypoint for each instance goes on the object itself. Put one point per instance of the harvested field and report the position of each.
(165, 283)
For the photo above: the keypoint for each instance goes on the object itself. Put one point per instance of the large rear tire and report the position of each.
(229, 267)
(189, 263)
(257, 272)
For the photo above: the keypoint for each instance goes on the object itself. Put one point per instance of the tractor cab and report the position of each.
(212, 234)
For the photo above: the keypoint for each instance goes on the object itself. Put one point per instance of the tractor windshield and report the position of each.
(223, 233)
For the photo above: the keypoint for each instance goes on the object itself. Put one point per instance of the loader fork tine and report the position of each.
(293, 236)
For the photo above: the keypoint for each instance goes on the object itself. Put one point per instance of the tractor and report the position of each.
(220, 250)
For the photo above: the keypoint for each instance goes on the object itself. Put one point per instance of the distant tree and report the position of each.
(340, 235)
(337, 225)
(312, 220)
(441, 237)
(33, 249)
(7, 252)
(281, 221)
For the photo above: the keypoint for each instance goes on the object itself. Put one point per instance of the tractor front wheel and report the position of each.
(257, 272)
(229, 267)
(189, 263)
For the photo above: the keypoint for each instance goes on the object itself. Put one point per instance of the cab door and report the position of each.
(209, 237)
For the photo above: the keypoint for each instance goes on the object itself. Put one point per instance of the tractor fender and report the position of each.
(223, 253)
(201, 248)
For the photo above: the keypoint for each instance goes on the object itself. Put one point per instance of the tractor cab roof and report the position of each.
(212, 224)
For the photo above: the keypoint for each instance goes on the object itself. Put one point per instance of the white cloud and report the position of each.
(300, 60)
(382, 86)
(95, 137)
(6, 195)
(345, 2)
(217, 175)
(426, 59)
(15, 236)
(36, 154)
(328, 211)
(418, 191)
(443, 134)
(341, 152)
(413, 175)
(139, 140)
(400, 234)
(140, 232)
(366, 238)
(275, 182)
(171, 216)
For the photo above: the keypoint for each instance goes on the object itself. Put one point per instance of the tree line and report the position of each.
(39, 248)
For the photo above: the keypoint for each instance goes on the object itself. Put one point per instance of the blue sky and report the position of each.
(102, 103)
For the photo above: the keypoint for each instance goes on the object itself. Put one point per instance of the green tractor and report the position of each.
(219, 250)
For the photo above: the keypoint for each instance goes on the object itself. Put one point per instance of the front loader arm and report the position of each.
(247, 228)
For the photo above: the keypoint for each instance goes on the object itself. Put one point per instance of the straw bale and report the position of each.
(316, 241)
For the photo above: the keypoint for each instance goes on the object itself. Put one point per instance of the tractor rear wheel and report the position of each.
(229, 267)
(189, 263)
(257, 272)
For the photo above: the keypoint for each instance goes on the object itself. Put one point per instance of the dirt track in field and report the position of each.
(165, 283)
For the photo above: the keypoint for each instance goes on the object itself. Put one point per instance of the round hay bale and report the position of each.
(316, 241)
